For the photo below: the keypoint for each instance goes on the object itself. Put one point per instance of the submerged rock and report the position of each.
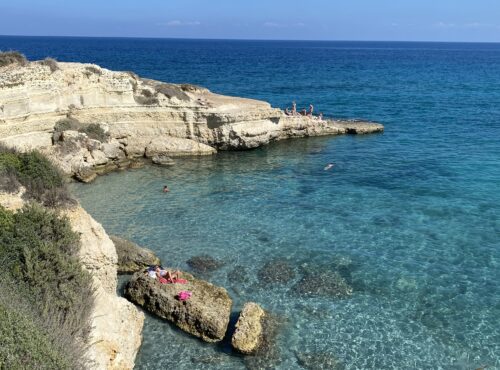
(318, 360)
(276, 272)
(205, 314)
(131, 257)
(204, 263)
(322, 283)
(238, 275)
(249, 332)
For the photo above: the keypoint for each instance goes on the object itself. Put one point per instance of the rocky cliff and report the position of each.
(140, 117)
(116, 333)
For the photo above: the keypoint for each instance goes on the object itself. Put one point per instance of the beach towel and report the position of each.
(184, 295)
(162, 280)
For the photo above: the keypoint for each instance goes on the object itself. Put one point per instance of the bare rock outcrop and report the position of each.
(116, 323)
(141, 117)
(249, 331)
(204, 315)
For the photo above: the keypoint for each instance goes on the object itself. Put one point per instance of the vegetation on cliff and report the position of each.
(46, 298)
(12, 57)
(44, 182)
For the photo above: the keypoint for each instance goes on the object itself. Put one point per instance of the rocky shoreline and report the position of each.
(89, 121)
(137, 118)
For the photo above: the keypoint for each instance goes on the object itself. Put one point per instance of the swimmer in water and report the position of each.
(328, 166)
(166, 189)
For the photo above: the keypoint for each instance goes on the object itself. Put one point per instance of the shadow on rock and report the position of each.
(318, 360)
(204, 264)
(277, 271)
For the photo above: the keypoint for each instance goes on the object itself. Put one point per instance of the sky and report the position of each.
(370, 20)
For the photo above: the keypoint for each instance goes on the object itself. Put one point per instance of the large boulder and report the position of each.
(131, 257)
(249, 333)
(205, 314)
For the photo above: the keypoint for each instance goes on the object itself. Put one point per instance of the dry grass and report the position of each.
(12, 57)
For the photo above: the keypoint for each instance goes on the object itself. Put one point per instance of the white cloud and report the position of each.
(177, 23)
(442, 24)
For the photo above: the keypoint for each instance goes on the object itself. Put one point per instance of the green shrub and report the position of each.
(95, 131)
(171, 91)
(51, 63)
(94, 70)
(92, 130)
(43, 181)
(38, 254)
(26, 345)
(144, 100)
(12, 57)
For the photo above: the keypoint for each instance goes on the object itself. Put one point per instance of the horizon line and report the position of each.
(248, 39)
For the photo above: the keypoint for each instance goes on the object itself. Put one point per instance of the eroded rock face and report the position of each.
(131, 257)
(116, 323)
(249, 332)
(204, 315)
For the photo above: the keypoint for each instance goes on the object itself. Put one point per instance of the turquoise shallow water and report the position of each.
(410, 218)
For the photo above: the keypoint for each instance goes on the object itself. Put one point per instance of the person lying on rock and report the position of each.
(171, 276)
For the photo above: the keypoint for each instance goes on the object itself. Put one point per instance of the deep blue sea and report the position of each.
(409, 218)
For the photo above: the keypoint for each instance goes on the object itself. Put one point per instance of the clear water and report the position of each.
(411, 218)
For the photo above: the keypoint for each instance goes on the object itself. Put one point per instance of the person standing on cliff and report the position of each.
(311, 110)
(294, 108)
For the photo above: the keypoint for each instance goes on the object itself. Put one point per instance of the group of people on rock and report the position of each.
(304, 112)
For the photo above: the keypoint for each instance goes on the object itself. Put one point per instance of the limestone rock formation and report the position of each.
(141, 117)
(116, 333)
(248, 334)
(131, 257)
(205, 314)
(116, 323)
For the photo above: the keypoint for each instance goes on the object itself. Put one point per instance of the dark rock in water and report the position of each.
(204, 263)
(238, 275)
(318, 361)
(268, 355)
(322, 283)
(131, 257)
(162, 160)
(276, 272)
(205, 314)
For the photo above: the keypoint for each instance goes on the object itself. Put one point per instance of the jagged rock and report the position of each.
(112, 150)
(322, 283)
(205, 314)
(162, 160)
(116, 333)
(276, 271)
(204, 263)
(318, 361)
(131, 257)
(249, 332)
(85, 174)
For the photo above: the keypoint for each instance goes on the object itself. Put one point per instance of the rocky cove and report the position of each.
(139, 119)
